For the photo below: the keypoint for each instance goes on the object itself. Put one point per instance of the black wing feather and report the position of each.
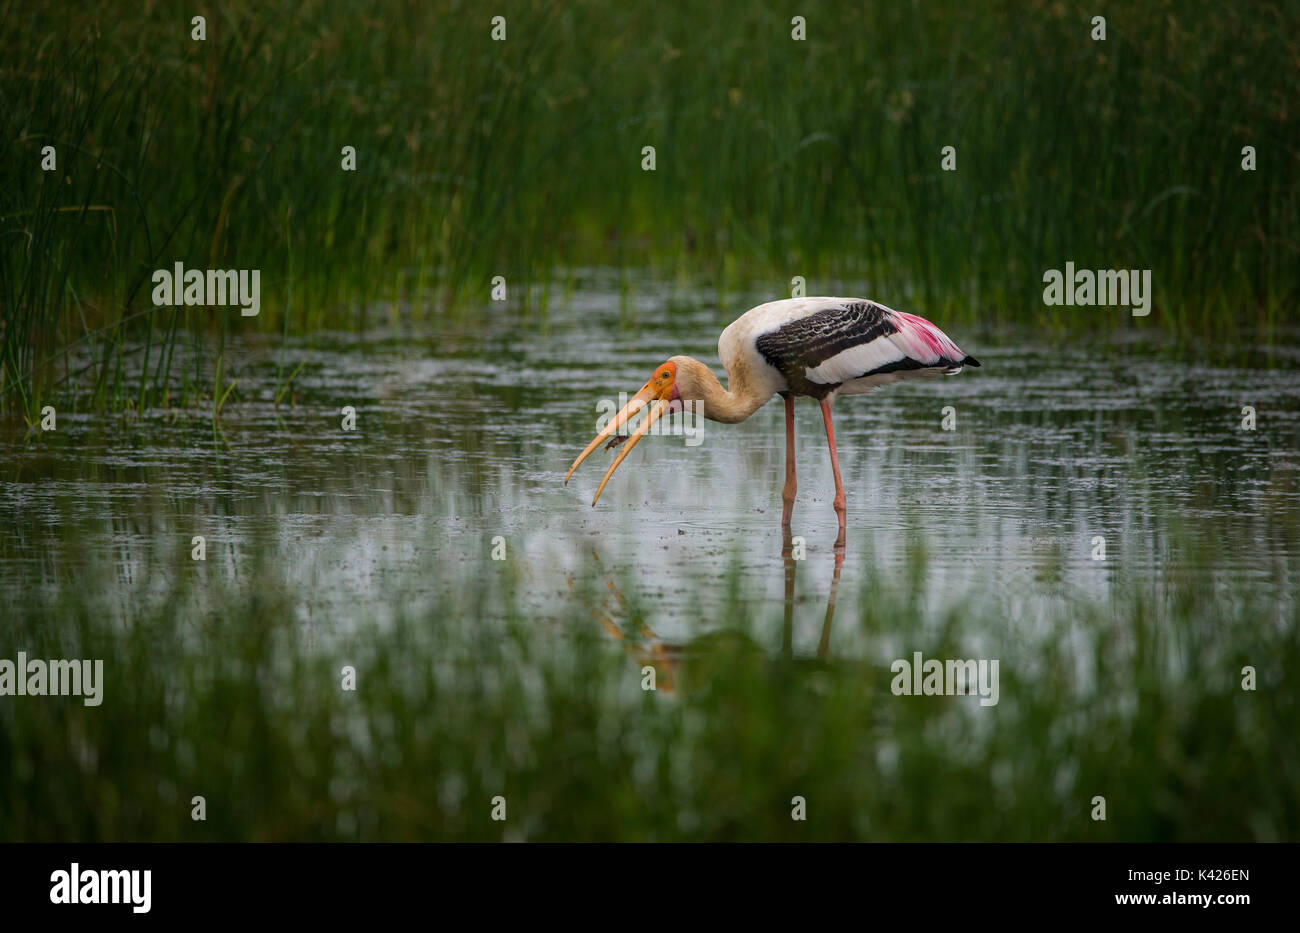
(806, 342)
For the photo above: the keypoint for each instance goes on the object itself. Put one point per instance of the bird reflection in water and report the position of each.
(791, 565)
(680, 666)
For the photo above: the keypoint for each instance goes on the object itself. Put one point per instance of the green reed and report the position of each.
(522, 158)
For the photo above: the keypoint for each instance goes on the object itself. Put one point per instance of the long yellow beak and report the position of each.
(650, 394)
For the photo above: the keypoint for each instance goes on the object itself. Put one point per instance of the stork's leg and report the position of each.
(787, 494)
(791, 567)
(835, 463)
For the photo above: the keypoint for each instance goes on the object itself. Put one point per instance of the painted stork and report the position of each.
(814, 347)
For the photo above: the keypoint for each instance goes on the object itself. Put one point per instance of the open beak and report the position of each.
(656, 394)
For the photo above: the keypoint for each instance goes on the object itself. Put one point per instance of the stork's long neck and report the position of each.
(744, 398)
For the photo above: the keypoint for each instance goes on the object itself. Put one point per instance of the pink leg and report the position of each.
(787, 494)
(835, 463)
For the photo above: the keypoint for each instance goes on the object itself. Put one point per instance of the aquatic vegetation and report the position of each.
(228, 695)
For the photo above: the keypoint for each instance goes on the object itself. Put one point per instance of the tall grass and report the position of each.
(522, 158)
(220, 690)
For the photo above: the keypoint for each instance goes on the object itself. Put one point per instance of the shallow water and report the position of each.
(465, 429)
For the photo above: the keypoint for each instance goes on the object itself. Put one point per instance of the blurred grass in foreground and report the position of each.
(217, 691)
(775, 158)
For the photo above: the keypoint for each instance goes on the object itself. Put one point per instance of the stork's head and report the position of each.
(660, 394)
